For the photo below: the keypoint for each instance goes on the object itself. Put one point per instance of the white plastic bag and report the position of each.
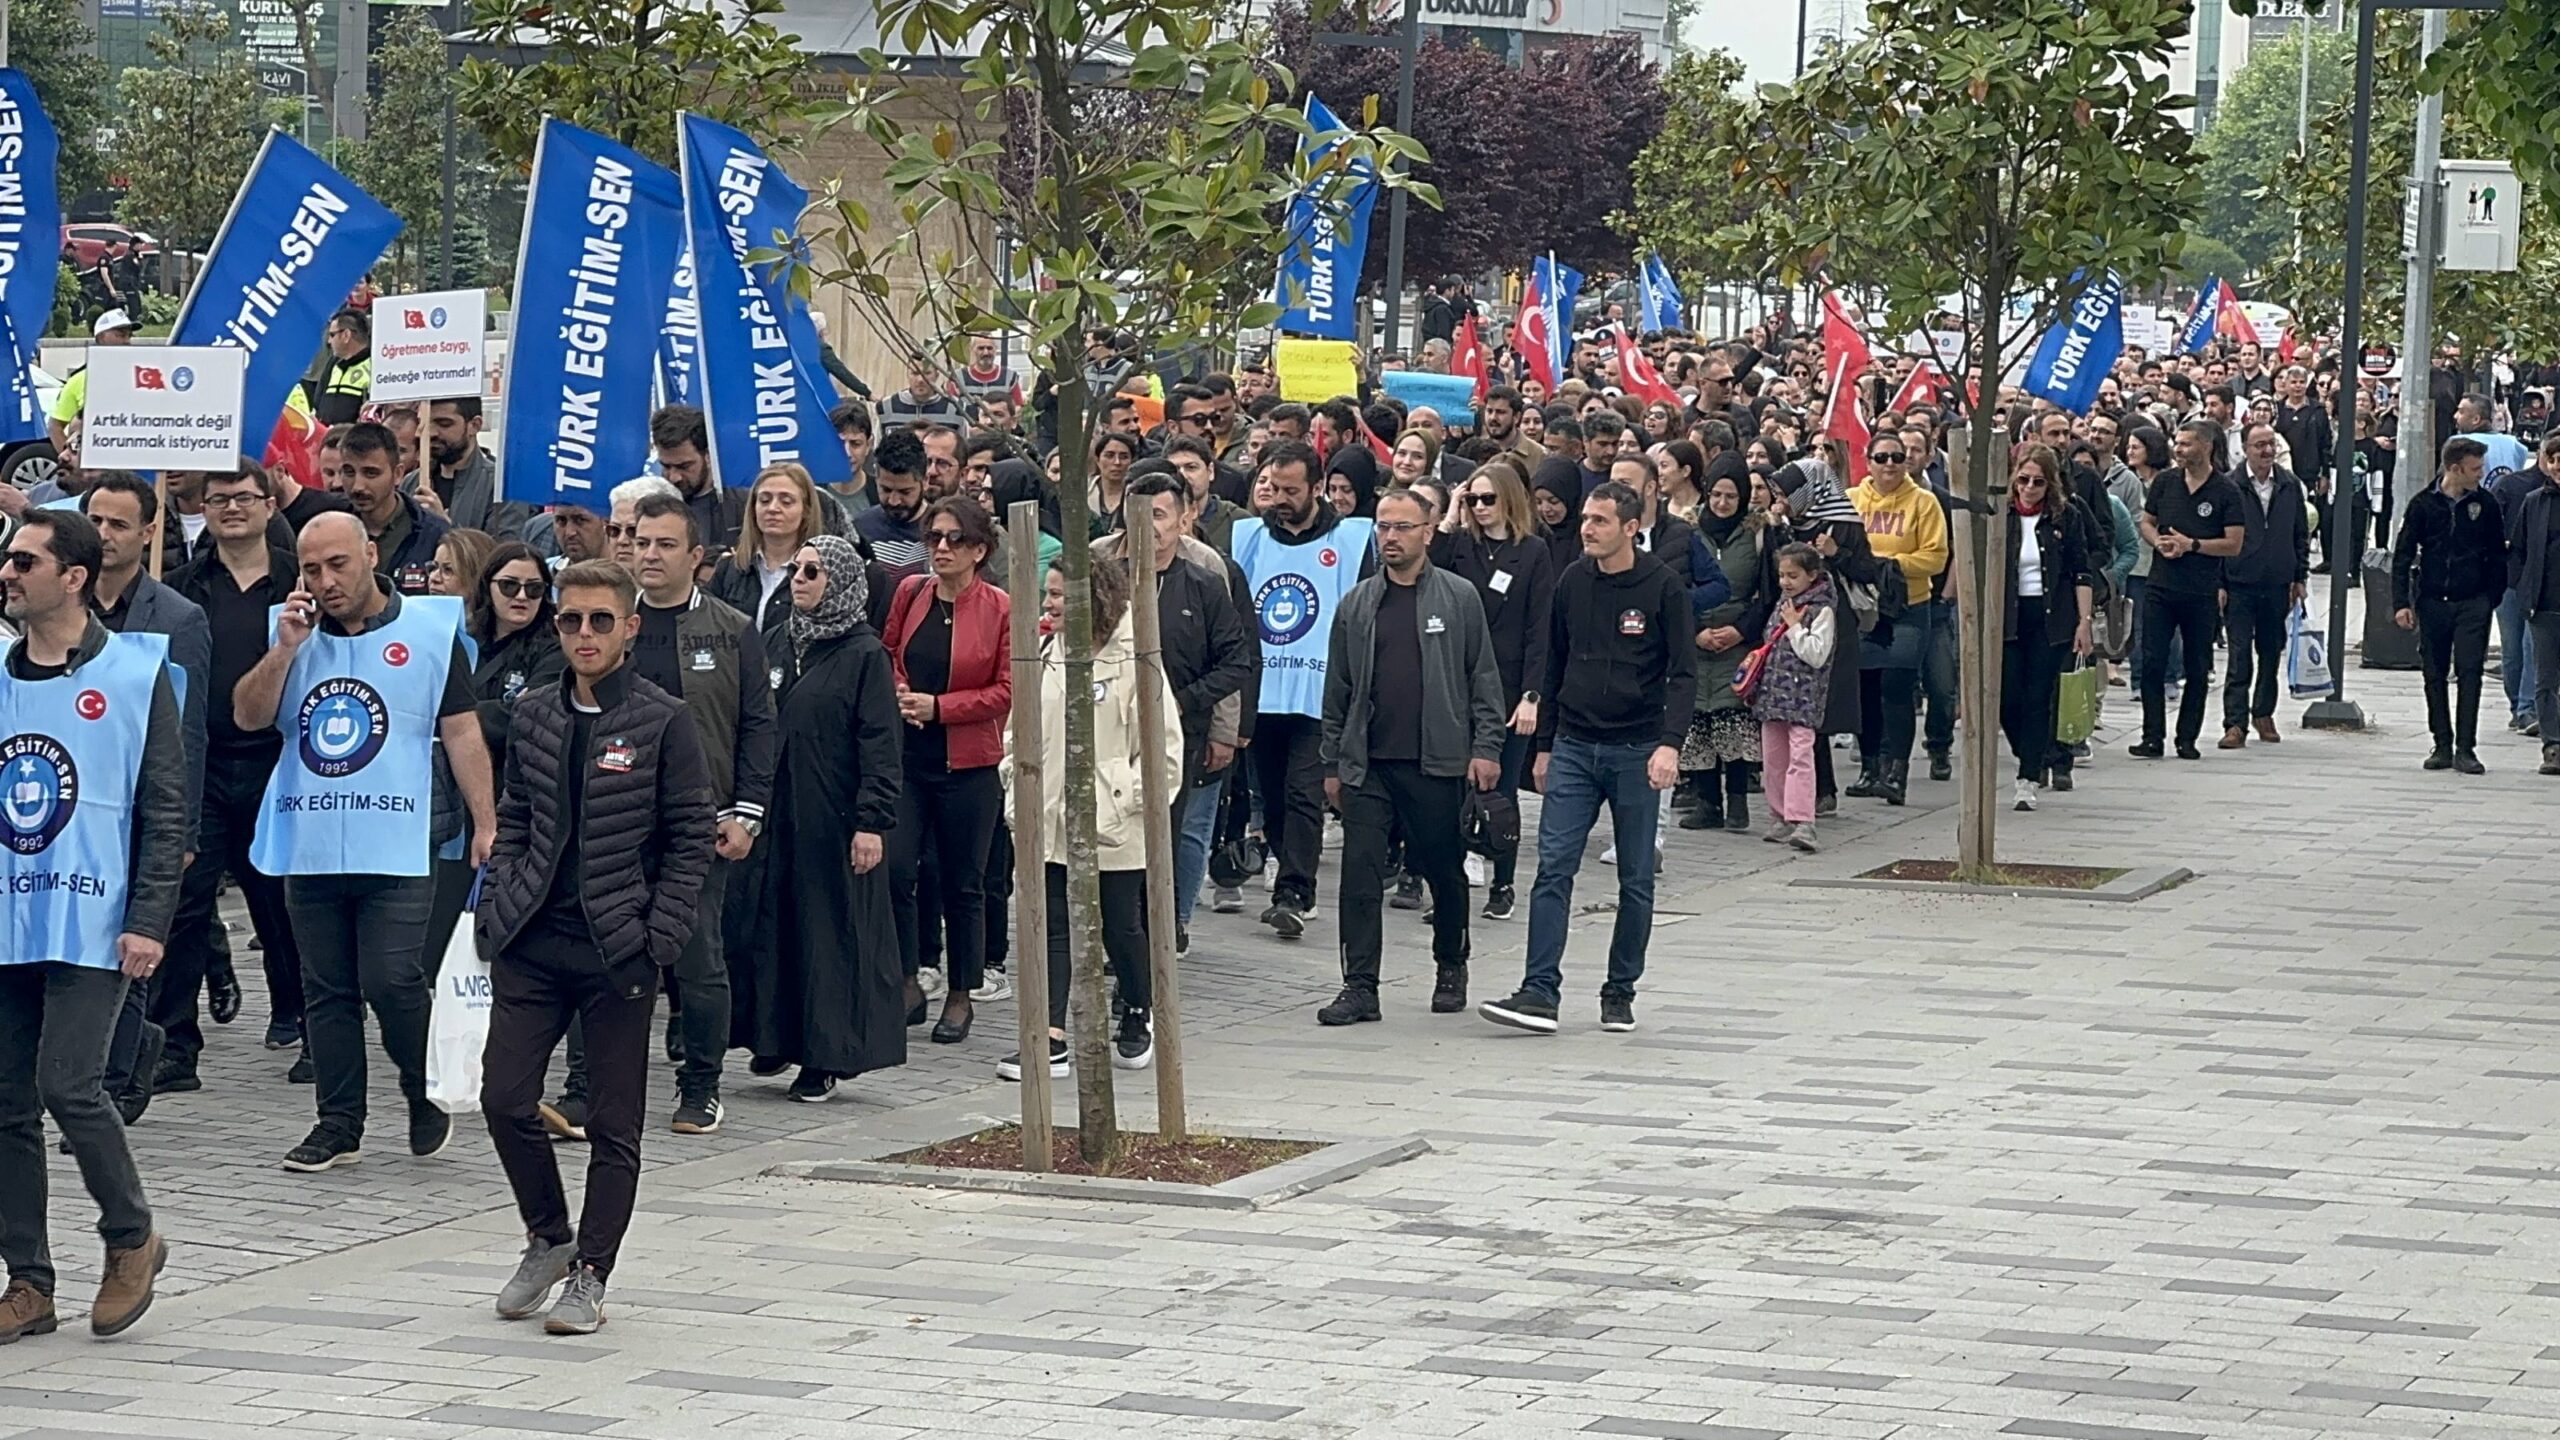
(2306, 657)
(458, 1023)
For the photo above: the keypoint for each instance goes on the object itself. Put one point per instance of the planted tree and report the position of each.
(1989, 150)
(193, 121)
(623, 68)
(1102, 235)
(57, 50)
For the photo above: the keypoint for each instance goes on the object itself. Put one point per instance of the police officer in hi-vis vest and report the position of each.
(362, 681)
(93, 825)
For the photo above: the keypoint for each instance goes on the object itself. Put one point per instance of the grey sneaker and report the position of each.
(1802, 838)
(580, 1308)
(994, 985)
(544, 1266)
(1227, 899)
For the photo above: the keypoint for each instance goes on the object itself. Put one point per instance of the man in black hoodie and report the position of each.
(2448, 569)
(1622, 650)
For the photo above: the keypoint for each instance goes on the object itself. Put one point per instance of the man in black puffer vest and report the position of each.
(604, 838)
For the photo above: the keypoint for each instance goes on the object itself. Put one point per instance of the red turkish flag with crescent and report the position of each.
(1466, 357)
(1637, 376)
(1923, 386)
(1846, 356)
(1529, 337)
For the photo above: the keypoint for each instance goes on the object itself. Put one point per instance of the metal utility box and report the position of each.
(2483, 214)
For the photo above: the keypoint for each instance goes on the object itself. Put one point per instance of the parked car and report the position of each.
(87, 240)
(29, 463)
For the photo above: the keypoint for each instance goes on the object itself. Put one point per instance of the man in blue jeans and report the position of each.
(1621, 643)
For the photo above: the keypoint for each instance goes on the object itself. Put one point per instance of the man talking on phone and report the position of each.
(361, 682)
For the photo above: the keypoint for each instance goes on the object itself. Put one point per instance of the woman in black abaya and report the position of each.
(825, 990)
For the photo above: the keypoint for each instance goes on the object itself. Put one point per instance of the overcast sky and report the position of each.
(1763, 32)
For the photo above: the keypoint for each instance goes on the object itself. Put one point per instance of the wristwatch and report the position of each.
(753, 827)
(1530, 696)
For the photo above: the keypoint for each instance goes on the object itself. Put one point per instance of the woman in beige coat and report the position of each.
(1119, 807)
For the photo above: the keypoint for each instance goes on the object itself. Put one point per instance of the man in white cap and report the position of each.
(115, 327)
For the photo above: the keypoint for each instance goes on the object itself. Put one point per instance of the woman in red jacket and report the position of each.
(950, 637)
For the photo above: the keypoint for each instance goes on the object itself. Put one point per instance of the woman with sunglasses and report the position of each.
(950, 637)
(783, 511)
(1907, 525)
(1496, 546)
(1723, 747)
(821, 986)
(508, 618)
(2051, 611)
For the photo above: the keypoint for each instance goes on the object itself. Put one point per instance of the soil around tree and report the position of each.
(2023, 877)
(1194, 1160)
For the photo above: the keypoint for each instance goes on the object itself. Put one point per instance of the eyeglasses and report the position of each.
(22, 561)
(809, 570)
(594, 622)
(1485, 498)
(620, 532)
(240, 500)
(442, 567)
(945, 539)
(1887, 457)
(519, 589)
(1397, 527)
(1194, 418)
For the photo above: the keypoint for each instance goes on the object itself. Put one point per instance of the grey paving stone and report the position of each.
(568, 1350)
(2371, 1395)
(2029, 1262)
(2424, 1247)
(2055, 1340)
(1490, 1369)
(1889, 1314)
(263, 1360)
(1047, 1345)
(2240, 1253)
(728, 1384)
(2369, 1325)
(2076, 1430)
(2114, 1387)
(1814, 1379)
(1273, 1239)
(1198, 1409)
(2262, 1292)
(2057, 1207)
(2242, 1202)
(880, 1289)
(499, 1417)
(326, 1319)
(16, 1397)
(1677, 1429)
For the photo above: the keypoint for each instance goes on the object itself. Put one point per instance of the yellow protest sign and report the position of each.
(1314, 370)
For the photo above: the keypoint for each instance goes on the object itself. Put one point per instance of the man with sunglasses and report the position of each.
(237, 585)
(604, 849)
(709, 656)
(362, 681)
(95, 776)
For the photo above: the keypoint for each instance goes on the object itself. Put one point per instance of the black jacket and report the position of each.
(2533, 532)
(2449, 549)
(1520, 612)
(510, 669)
(1209, 651)
(1623, 651)
(2062, 540)
(644, 824)
(2276, 548)
(2310, 435)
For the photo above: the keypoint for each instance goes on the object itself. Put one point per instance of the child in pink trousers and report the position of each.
(1790, 689)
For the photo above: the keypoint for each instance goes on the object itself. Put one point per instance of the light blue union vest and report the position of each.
(354, 785)
(70, 762)
(1296, 589)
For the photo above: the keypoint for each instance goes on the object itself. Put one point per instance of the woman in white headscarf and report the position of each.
(824, 988)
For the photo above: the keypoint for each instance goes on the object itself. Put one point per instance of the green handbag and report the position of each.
(2075, 712)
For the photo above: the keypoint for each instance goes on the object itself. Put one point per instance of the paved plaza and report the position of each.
(2269, 1154)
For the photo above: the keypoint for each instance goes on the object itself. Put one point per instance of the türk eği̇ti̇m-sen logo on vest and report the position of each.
(343, 725)
(39, 788)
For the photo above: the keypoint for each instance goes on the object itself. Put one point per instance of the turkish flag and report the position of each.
(414, 319)
(1466, 357)
(1530, 336)
(1637, 376)
(1922, 386)
(146, 377)
(2233, 321)
(1845, 357)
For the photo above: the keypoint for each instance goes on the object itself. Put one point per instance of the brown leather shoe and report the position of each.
(2267, 730)
(126, 1291)
(24, 1310)
(2232, 739)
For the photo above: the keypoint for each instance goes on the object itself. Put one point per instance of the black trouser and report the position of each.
(1516, 750)
(701, 986)
(954, 812)
(2030, 681)
(1124, 939)
(2453, 635)
(1888, 713)
(54, 1024)
(2191, 617)
(1428, 805)
(234, 788)
(1291, 775)
(533, 998)
(363, 943)
(2255, 617)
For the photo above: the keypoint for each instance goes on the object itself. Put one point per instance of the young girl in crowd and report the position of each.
(1790, 690)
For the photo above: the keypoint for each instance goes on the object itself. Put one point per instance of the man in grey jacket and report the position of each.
(1412, 713)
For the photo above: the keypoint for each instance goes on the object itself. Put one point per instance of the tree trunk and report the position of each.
(1030, 848)
(1158, 791)
(1980, 588)
(1089, 1014)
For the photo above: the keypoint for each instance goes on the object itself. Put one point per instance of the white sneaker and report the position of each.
(994, 985)
(2026, 795)
(1227, 900)
(1609, 856)
(930, 980)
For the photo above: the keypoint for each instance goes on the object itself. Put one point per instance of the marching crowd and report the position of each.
(746, 746)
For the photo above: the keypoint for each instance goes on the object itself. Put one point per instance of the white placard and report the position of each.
(162, 407)
(2146, 327)
(430, 346)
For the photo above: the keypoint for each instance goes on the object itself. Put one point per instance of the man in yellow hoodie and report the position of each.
(1905, 524)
